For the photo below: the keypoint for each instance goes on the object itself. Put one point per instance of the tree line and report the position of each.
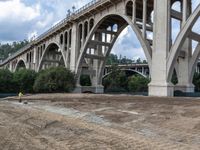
(113, 59)
(50, 80)
(62, 80)
(119, 81)
(8, 49)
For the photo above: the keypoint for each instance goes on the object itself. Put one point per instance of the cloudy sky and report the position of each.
(22, 19)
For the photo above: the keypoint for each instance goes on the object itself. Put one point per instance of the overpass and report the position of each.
(83, 40)
(137, 68)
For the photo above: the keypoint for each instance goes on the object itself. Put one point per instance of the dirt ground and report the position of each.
(99, 122)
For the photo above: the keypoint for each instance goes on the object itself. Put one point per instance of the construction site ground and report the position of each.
(99, 122)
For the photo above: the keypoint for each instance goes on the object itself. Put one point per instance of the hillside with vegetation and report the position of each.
(113, 59)
(8, 49)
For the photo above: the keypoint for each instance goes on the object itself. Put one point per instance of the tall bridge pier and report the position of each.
(83, 41)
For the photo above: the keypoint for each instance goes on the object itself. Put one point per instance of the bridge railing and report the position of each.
(67, 18)
(92, 3)
(62, 22)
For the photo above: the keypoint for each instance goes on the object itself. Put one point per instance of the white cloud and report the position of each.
(128, 45)
(41, 24)
(81, 3)
(14, 10)
(32, 35)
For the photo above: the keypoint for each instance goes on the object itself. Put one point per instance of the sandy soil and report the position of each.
(99, 122)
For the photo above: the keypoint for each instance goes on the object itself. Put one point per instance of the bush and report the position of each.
(24, 80)
(138, 84)
(196, 82)
(55, 80)
(117, 80)
(120, 81)
(174, 79)
(85, 80)
(6, 81)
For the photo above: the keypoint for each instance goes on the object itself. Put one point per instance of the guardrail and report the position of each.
(85, 7)
(62, 22)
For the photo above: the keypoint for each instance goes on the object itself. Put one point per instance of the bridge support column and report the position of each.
(35, 59)
(159, 85)
(185, 84)
(144, 18)
(96, 79)
(11, 67)
(74, 47)
(134, 12)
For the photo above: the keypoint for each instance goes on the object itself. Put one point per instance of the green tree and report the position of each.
(24, 80)
(112, 59)
(139, 61)
(126, 61)
(138, 84)
(57, 79)
(116, 81)
(6, 49)
(145, 62)
(85, 80)
(174, 79)
(196, 82)
(6, 81)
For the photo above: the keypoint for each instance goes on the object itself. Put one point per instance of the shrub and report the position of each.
(55, 80)
(85, 80)
(196, 82)
(117, 80)
(174, 79)
(6, 81)
(138, 84)
(24, 80)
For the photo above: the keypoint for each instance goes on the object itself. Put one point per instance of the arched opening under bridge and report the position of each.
(51, 57)
(99, 44)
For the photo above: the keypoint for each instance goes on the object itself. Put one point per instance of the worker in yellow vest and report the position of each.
(20, 96)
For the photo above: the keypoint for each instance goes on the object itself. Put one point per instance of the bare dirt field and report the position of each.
(99, 122)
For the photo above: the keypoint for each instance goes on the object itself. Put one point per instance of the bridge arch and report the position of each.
(20, 64)
(129, 8)
(101, 26)
(131, 70)
(80, 34)
(66, 37)
(91, 24)
(176, 48)
(86, 29)
(52, 54)
(61, 39)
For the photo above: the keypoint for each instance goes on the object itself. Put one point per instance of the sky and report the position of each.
(22, 19)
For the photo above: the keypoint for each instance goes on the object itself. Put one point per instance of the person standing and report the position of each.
(20, 97)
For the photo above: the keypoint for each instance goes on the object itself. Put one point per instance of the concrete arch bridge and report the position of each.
(129, 69)
(84, 39)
